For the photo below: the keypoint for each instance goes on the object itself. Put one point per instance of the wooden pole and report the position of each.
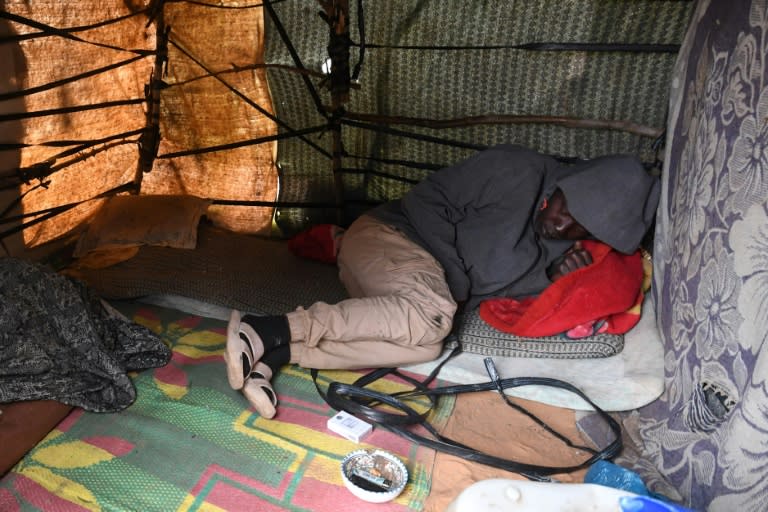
(337, 16)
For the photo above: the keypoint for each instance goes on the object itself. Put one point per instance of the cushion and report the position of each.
(477, 337)
(131, 221)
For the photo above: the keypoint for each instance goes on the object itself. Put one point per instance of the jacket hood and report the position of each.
(614, 198)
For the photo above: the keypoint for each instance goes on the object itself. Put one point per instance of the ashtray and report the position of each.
(376, 476)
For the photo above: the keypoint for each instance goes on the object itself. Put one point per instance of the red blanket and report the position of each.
(320, 243)
(602, 297)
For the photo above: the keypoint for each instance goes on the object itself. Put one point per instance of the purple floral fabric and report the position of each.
(705, 441)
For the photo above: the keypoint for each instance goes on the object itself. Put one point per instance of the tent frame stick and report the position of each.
(149, 142)
(337, 16)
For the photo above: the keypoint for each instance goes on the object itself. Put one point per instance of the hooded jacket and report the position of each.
(614, 198)
(476, 217)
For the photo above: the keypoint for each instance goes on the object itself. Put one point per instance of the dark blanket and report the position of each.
(58, 341)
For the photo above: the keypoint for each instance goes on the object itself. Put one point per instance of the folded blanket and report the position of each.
(58, 341)
(601, 297)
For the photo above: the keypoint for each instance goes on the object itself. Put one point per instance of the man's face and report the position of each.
(556, 223)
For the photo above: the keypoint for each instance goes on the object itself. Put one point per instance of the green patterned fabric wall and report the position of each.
(483, 73)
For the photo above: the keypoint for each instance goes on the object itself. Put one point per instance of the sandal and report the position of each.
(244, 349)
(259, 391)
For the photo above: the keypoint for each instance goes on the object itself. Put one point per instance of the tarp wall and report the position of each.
(432, 81)
(572, 78)
(76, 140)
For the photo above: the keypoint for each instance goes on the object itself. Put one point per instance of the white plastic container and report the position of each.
(501, 494)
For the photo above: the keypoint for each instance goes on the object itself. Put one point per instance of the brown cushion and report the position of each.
(132, 221)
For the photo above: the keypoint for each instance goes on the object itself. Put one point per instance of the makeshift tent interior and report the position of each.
(168, 149)
(189, 98)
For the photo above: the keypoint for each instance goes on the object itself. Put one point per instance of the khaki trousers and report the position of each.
(400, 311)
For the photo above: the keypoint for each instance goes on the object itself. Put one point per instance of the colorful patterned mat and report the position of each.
(190, 443)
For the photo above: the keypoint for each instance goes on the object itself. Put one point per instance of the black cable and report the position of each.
(544, 46)
(496, 379)
(215, 6)
(82, 28)
(52, 212)
(361, 402)
(380, 174)
(402, 133)
(70, 110)
(250, 142)
(66, 143)
(71, 79)
(291, 204)
(46, 168)
(294, 55)
(424, 166)
(437, 140)
(47, 30)
(268, 114)
(361, 46)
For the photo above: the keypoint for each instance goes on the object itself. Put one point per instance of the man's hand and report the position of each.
(575, 258)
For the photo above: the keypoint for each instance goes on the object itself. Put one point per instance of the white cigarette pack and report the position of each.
(348, 426)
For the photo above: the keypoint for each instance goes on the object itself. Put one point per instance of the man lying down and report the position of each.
(506, 222)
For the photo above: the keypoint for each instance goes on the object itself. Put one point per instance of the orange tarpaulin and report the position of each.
(114, 43)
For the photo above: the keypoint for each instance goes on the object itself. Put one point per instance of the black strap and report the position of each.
(365, 403)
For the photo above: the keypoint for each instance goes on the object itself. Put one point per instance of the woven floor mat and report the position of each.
(226, 269)
(191, 443)
(261, 275)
